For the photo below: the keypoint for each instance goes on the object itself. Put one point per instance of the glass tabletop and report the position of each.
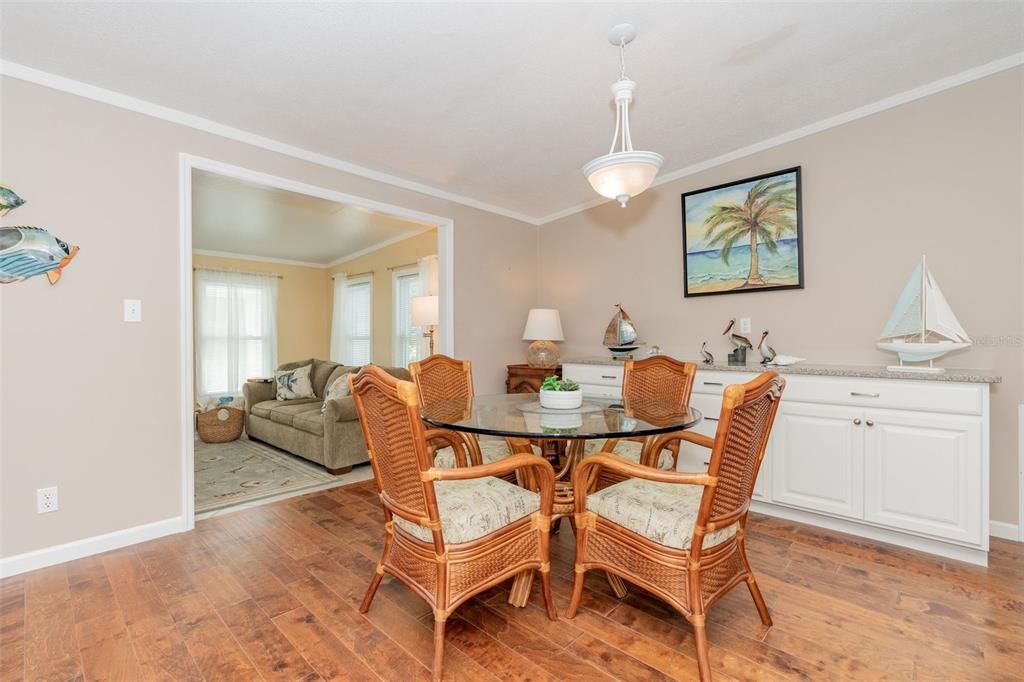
(519, 415)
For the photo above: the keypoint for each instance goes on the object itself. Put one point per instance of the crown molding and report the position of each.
(881, 105)
(258, 259)
(123, 101)
(379, 245)
(376, 246)
(113, 98)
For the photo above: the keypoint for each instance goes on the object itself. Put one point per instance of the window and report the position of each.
(351, 327)
(407, 343)
(236, 330)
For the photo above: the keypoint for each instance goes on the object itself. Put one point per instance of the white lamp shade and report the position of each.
(623, 175)
(423, 311)
(543, 324)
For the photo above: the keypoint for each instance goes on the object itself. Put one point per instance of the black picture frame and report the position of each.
(746, 288)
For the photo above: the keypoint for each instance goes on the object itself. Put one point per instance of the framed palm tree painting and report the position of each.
(744, 236)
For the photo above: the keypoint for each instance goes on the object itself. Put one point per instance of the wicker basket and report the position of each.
(220, 425)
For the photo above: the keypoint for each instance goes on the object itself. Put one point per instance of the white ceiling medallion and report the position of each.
(622, 174)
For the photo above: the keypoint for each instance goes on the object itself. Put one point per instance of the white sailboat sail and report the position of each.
(922, 326)
(939, 317)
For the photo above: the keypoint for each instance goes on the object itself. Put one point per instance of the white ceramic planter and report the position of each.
(561, 400)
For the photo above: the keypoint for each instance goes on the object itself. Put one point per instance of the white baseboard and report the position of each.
(971, 555)
(50, 556)
(1006, 531)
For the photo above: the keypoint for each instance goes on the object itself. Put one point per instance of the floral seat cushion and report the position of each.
(474, 508)
(664, 513)
(629, 449)
(491, 450)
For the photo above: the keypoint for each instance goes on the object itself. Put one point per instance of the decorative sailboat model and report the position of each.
(620, 337)
(922, 326)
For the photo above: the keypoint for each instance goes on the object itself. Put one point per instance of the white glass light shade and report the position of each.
(623, 175)
(543, 324)
(423, 311)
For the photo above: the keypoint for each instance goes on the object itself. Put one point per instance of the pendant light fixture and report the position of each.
(622, 174)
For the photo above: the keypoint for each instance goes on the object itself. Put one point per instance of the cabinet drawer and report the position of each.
(927, 396)
(714, 383)
(597, 375)
(599, 391)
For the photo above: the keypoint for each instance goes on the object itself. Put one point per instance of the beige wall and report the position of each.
(941, 176)
(382, 318)
(92, 404)
(303, 331)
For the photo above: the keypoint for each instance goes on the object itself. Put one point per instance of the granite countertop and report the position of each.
(972, 376)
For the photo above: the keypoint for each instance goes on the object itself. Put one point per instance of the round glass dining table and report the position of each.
(520, 416)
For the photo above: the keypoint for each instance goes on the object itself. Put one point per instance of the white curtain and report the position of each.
(428, 275)
(339, 342)
(236, 330)
(428, 287)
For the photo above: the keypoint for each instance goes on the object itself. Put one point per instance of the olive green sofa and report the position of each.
(331, 437)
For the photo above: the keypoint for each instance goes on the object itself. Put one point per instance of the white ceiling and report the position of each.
(236, 217)
(504, 102)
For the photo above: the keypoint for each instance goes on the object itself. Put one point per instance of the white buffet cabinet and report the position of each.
(900, 460)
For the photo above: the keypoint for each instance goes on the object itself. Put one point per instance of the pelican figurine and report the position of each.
(709, 359)
(737, 340)
(767, 352)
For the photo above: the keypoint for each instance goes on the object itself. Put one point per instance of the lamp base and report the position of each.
(542, 354)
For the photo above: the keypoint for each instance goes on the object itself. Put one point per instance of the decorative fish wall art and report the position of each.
(28, 251)
(9, 200)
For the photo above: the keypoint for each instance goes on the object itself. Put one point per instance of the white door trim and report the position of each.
(1020, 472)
(187, 163)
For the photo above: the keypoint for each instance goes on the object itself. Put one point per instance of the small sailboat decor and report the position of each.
(620, 337)
(922, 326)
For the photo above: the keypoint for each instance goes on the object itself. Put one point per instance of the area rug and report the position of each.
(244, 471)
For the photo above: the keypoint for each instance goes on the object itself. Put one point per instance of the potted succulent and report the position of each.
(560, 394)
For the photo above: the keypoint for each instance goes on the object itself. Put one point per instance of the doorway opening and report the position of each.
(287, 288)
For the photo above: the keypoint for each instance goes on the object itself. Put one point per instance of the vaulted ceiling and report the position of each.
(502, 103)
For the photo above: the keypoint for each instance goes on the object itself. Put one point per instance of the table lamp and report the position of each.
(423, 313)
(543, 327)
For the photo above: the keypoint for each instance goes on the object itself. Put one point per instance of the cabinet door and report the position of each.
(763, 484)
(922, 472)
(817, 459)
(694, 457)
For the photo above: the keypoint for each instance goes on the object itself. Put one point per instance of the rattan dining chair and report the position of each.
(659, 377)
(680, 535)
(450, 533)
(440, 377)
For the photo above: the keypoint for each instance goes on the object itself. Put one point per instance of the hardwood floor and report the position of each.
(272, 593)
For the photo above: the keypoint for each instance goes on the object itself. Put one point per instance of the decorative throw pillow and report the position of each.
(294, 383)
(338, 388)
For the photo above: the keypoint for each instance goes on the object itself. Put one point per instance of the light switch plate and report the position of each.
(132, 310)
(744, 325)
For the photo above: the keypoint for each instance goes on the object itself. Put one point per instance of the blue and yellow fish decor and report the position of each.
(28, 251)
(9, 200)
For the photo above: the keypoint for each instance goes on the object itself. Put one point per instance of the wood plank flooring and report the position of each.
(272, 593)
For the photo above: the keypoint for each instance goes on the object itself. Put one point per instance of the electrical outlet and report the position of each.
(46, 500)
(132, 310)
(744, 325)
